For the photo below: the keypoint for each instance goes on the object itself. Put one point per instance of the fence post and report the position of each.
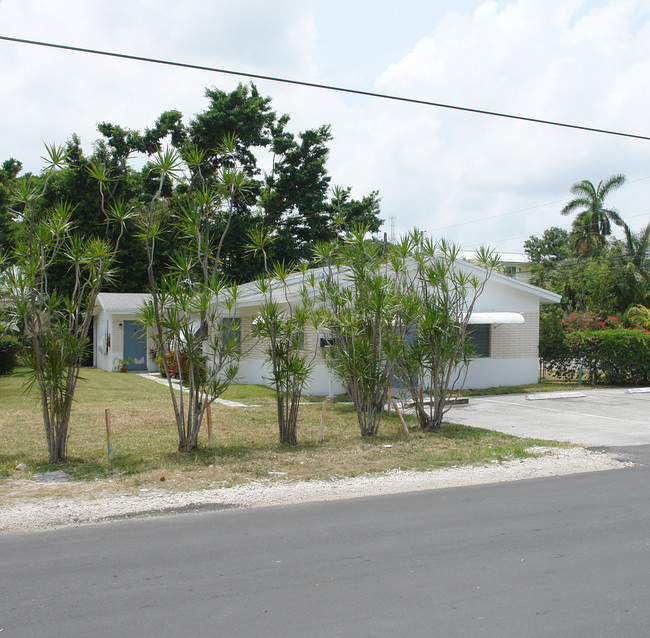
(108, 434)
(321, 434)
(209, 416)
(401, 418)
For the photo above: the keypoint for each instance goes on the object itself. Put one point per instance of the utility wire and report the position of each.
(326, 87)
(525, 210)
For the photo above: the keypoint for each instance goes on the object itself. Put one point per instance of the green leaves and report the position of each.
(167, 165)
(55, 158)
(592, 223)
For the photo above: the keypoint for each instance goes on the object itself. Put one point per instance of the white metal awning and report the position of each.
(496, 317)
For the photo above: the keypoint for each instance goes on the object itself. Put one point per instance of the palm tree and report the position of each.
(593, 221)
(632, 267)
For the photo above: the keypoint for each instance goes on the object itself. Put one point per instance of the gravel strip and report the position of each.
(57, 512)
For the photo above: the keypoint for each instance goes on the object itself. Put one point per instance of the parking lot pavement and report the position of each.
(607, 417)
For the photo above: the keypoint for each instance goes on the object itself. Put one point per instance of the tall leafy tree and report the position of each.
(8, 174)
(242, 112)
(553, 246)
(438, 292)
(631, 265)
(357, 303)
(191, 314)
(592, 224)
(290, 196)
(350, 212)
(295, 198)
(55, 322)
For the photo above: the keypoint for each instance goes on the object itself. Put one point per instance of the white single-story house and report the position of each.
(504, 325)
(117, 335)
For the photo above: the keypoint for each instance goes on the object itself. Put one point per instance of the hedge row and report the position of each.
(612, 356)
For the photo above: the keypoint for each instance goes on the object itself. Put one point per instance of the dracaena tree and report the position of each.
(191, 316)
(55, 323)
(437, 294)
(285, 312)
(357, 302)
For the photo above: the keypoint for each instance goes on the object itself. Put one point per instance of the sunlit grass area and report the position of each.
(245, 439)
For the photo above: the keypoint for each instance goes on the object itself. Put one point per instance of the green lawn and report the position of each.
(245, 439)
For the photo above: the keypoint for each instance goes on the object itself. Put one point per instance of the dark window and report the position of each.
(478, 336)
(327, 341)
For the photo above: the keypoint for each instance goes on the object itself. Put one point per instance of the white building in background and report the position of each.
(515, 265)
(117, 335)
(504, 325)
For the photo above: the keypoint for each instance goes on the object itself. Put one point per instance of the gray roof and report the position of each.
(122, 302)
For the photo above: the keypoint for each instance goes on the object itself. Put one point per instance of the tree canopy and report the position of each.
(592, 225)
(285, 186)
(593, 271)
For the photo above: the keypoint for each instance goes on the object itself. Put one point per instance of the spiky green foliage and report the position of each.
(437, 294)
(358, 301)
(54, 323)
(191, 317)
(281, 324)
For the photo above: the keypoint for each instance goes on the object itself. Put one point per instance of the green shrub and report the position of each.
(613, 356)
(9, 347)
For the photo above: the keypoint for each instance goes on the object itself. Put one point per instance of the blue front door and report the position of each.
(135, 345)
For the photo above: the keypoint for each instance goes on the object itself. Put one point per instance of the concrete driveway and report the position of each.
(610, 417)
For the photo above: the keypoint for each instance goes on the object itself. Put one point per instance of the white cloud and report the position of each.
(577, 61)
(549, 60)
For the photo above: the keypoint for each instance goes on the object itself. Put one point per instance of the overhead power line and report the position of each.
(325, 87)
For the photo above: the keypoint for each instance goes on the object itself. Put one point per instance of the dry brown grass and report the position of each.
(245, 440)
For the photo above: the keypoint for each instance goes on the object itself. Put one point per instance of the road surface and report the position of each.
(564, 556)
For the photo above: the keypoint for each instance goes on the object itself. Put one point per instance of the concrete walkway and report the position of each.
(603, 417)
(158, 379)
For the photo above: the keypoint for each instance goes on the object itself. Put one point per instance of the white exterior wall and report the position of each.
(257, 372)
(253, 369)
(113, 326)
(513, 356)
(102, 345)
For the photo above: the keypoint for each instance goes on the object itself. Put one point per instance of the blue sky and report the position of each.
(470, 178)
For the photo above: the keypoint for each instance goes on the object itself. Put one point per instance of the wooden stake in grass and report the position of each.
(388, 402)
(321, 434)
(109, 442)
(401, 419)
(209, 415)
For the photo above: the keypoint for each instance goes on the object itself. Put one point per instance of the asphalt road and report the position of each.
(564, 556)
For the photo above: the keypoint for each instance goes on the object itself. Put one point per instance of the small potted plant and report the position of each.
(123, 364)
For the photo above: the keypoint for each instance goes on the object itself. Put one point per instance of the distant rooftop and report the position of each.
(124, 302)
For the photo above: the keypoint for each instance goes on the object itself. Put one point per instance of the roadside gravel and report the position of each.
(48, 512)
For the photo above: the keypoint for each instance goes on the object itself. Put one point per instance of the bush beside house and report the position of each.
(9, 347)
(599, 346)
